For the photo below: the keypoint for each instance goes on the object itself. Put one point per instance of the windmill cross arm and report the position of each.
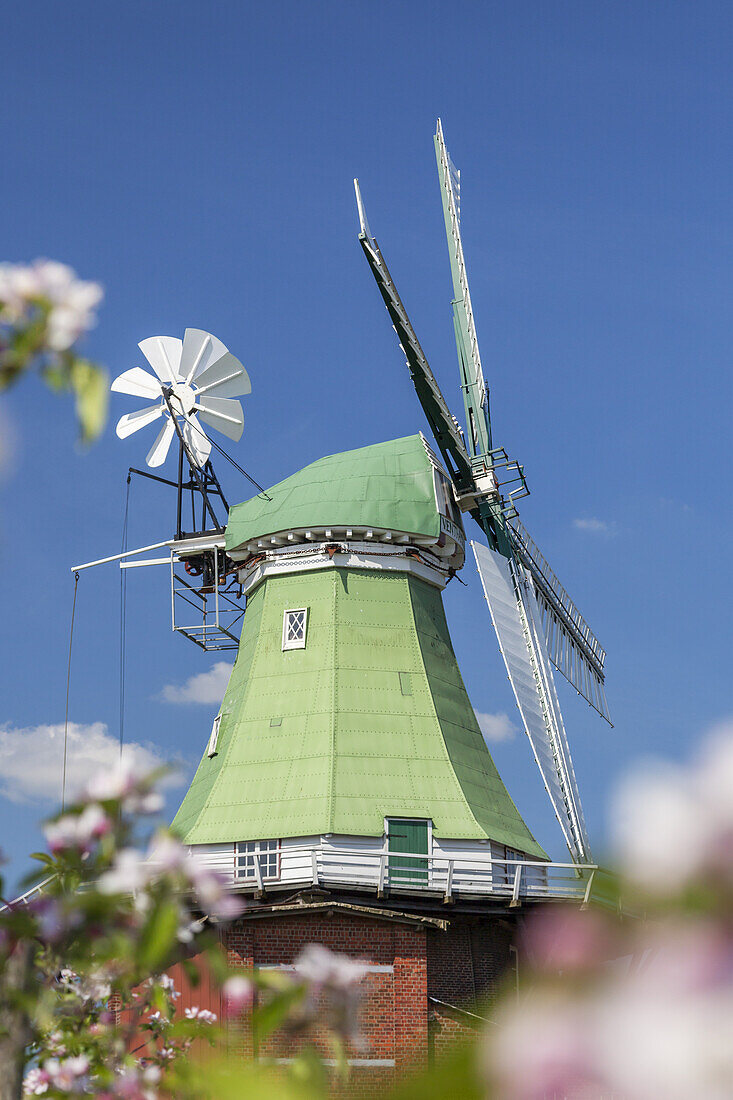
(442, 423)
(475, 390)
(572, 646)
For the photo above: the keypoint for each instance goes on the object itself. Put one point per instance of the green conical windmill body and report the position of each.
(366, 718)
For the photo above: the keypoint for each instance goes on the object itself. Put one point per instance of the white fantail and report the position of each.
(196, 379)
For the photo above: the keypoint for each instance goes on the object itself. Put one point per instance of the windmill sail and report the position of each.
(475, 390)
(517, 621)
(572, 646)
(443, 424)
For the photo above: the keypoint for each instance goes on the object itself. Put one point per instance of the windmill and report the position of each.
(196, 379)
(345, 785)
(537, 624)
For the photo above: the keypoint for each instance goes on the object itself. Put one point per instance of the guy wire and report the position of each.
(123, 616)
(68, 684)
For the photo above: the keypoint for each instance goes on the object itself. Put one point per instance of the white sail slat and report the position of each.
(517, 622)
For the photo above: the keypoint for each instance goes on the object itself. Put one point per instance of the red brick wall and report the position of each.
(393, 1016)
(445, 1027)
(394, 1010)
(460, 966)
(467, 964)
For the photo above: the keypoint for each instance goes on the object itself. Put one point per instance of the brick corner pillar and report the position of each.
(410, 998)
(238, 943)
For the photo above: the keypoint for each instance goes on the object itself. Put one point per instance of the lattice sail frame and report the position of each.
(572, 646)
(510, 594)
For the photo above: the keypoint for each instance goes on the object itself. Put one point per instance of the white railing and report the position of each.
(473, 875)
(447, 876)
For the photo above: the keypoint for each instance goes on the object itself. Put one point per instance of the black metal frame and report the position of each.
(202, 484)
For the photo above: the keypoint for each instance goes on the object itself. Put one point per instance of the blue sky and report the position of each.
(197, 160)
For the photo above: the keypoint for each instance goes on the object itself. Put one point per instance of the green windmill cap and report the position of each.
(388, 486)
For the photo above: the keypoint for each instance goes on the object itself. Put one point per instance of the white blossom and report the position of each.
(320, 967)
(674, 825)
(72, 300)
(202, 1014)
(130, 872)
(112, 784)
(168, 854)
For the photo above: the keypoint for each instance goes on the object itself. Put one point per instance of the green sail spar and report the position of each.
(370, 719)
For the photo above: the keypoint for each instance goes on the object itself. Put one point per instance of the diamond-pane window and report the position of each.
(265, 852)
(294, 627)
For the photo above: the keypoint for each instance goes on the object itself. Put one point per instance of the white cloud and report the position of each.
(204, 687)
(595, 526)
(496, 727)
(32, 759)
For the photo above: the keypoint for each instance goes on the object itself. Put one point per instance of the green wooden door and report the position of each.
(412, 837)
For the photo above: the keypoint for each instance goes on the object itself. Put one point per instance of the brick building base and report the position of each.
(428, 981)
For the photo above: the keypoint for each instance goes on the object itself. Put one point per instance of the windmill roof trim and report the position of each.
(385, 486)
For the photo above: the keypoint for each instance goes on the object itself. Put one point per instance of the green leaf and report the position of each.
(90, 384)
(268, 1017)
(237, 1079)
(159, 935)
(191, 971)
(308, 1070)
(456, 1074)
(44, 857)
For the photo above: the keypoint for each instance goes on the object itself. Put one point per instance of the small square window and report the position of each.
(294, 628)
(214, 737)
(267, 854)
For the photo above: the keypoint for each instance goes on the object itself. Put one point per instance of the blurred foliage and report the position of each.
(44, 311)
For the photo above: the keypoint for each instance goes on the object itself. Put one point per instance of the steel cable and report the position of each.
(68, 684)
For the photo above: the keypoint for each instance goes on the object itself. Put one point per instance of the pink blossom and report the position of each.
(35, 1082)
(77, 830)
(541, 1047)
(238, 993)
(662, 1029)
(137, 1084)
(211, 889)
(568, 939)
(52, 922)
(67, 1076)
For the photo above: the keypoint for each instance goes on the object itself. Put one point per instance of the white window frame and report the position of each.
(211, 748)
(260, 853)
(445, 496)
(294, 643)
